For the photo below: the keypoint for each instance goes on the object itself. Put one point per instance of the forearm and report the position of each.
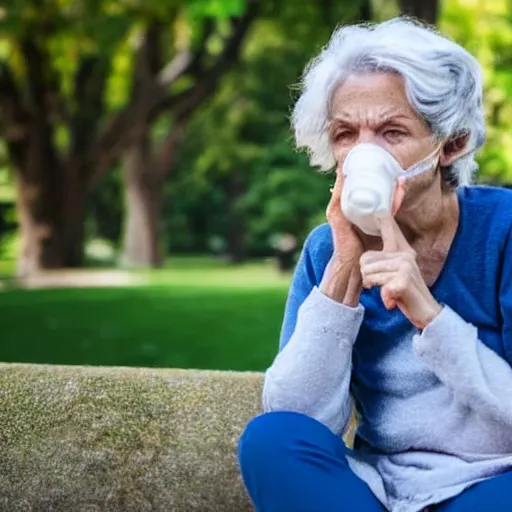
(311, 375)
(342, 281)
(478, 377)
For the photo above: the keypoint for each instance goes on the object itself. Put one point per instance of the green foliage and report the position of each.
(7, 192)
(9, 244)
(244, 134)
(245, 128)
(68, 32)
(485, 29)
(83, 41)
(7, 211)
(105, 209)
(284, 200)
(221, 9)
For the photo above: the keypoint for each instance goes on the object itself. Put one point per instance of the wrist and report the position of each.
(431, 314)
(354, 288)
(342, 282)
(435, 310)
(334, 288)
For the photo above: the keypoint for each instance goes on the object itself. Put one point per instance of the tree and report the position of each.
(282, 193)
(145, 167)
(60, 136)
(425, 10)
(248, 183)
(485, 30)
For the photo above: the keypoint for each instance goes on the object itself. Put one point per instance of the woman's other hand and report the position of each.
(396, 272)
(342, 278)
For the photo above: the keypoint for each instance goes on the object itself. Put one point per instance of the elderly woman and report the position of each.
(402, 304)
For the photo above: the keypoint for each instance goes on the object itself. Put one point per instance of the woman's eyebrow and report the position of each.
(341, 121)
(395, 119)
(376, 123)
(345, 117)
(392, 116)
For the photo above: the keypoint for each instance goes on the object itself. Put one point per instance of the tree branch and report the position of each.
(126, 126)
(175, 68)
(149, 60)
(166, 154)
(183, 104)
(90, 80)
(197, 64)
(38, 71)
(42, 86)
(187, 61)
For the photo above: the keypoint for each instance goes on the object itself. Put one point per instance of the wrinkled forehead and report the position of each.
(370, 97)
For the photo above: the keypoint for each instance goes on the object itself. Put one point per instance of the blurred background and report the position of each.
(152, 205)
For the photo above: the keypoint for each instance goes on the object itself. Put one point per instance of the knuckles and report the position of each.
(403, 258)
(369, 257)
(407, 267)
(397, 287)
(403, 264)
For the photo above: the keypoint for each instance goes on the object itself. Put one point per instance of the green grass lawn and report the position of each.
(196, 314)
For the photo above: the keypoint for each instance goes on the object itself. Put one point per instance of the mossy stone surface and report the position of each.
(94, 439)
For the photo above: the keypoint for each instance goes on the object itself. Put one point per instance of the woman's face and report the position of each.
(373, 107)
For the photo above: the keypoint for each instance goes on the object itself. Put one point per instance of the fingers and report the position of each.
(334, 207)
(388, 299)
(392, 292)
(387, 269)
(393, 240)
(378, 258)
(378, 268)
(377, 279)
(377, 261)
(392, 236)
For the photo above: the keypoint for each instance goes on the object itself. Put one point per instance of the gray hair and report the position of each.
(443, 83)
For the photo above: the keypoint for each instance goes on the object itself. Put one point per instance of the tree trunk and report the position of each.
(51, 223)
(425, 10)
(50, 202)
(51, 193)
(365, 11)
(236, 228)
(143, 200)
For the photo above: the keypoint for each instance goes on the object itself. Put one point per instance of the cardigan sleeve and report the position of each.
(313, 260)
(311, 373)
(479, 377)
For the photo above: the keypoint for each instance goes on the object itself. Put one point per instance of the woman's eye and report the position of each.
(394, 134)
(343, 136)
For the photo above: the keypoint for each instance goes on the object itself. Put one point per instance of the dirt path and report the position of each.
(81, 279)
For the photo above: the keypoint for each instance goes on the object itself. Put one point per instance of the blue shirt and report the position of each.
(476, 281)
(439, 401)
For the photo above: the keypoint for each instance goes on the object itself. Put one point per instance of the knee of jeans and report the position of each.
(267, 436)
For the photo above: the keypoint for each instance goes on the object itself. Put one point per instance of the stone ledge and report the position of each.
(94, 439)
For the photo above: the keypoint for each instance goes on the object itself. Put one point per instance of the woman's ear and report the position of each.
(453, 149)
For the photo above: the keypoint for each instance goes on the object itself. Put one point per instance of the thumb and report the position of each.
(334, 206)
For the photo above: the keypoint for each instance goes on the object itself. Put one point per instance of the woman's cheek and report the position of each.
(409, 152)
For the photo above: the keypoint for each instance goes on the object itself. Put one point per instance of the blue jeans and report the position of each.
(293, 463)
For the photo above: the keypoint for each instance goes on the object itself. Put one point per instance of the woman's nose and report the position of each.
(366, 135)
